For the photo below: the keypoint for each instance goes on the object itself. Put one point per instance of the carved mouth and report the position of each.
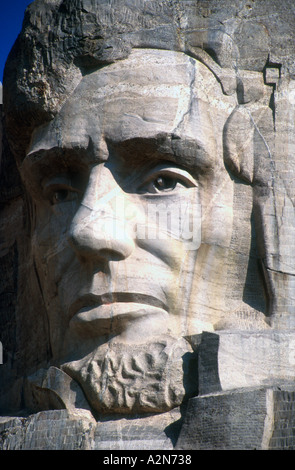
(94, 301)
(96, 315)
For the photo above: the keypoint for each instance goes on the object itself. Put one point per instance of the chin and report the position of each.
(135, 379)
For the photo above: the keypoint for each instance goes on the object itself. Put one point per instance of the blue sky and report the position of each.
(11, 18)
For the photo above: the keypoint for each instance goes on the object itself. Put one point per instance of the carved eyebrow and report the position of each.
(193, 153)
(46, 161)
(58, 152)
(190, 153)
(40, 154)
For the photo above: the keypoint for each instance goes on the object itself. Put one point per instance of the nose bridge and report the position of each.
(99, 227)
(102, 188)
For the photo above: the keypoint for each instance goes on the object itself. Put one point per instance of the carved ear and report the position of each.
(238, 139)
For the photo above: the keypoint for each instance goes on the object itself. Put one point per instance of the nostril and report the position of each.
(93, 243)
(111, 255)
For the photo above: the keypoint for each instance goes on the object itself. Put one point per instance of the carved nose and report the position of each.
(99, 228)
(100, 235)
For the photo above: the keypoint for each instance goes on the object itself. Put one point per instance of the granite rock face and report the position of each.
(252, 419)
(147, 226)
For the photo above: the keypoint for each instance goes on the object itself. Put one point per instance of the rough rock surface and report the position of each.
(257, 419)
(208, 89)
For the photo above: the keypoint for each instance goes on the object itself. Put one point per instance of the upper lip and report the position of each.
(94, 300)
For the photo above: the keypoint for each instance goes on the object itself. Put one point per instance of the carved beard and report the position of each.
(138, 378)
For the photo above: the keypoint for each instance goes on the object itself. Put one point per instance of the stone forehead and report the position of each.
(163, 91)
(160, 72)
(61, 39)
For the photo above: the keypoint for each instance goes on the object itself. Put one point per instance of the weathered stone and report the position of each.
(147, 225)
(230, 360)
(51, 430)
(257, 419)
(56, 430)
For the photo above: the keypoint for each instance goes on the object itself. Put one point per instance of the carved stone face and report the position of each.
(130, 195)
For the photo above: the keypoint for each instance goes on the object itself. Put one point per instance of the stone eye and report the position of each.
(62, 188)
(165, 183)
(63, 195)
(165, 179)
(60, 196)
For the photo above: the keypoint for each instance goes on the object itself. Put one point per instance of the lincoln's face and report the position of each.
(128, 184)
